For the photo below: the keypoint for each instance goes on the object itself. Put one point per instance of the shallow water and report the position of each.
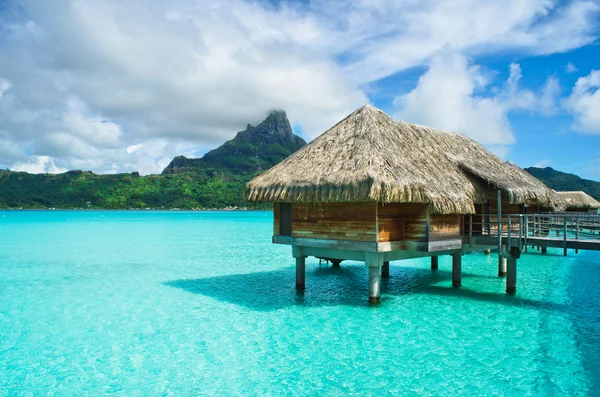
(201, 303)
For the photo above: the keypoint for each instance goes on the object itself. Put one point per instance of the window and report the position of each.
(285, 219)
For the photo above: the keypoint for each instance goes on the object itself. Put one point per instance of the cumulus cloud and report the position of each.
(570, 68)
(39, 164)
(82, 81)
(458, 96)
(584, 103)
(549, 98)
(383, 37)
(446, 97)
(4, 86)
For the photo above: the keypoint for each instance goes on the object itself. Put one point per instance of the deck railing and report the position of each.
(517, 229)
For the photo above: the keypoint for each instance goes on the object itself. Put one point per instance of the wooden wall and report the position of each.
(398, 222)
(507, 209)
(369, 222)
(444, 227)
(276, 219)
(335, 221)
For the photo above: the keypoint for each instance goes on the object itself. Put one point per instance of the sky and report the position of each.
(113, 86)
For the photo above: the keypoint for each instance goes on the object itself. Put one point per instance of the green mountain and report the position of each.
(253, 150)
(216, 180)
(562, 181)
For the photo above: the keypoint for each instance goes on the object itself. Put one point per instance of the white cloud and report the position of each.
(383, 37)
(4, 86)
(90, 79)
(570, 68)
(584, 103)
(549, 97)
(452, 95)
(445, 97)
(38, 165)
(542, 164)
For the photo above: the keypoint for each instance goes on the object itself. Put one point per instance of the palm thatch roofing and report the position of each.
(370, 157)
(579, 200)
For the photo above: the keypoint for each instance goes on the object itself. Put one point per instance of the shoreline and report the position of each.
(136, 209)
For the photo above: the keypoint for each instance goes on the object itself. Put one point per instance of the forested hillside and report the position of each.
(216, 180)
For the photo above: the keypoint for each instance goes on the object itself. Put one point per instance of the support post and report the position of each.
(374, 262)
(434, 262)
(456, 269)
(526, 231)
(487, 251)
(470, 230)
(300, 272)
(501, 260)
(577, 233)
(565, 236)
(374, 284)
(544, 250)
(300, 267)
(511, 276)
(385, 270)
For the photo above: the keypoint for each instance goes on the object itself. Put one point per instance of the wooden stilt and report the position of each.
(544, 250)
(374, 262)
(434, 262)
(374, 284)
(300, 272)
(456, 269)
(385, 270)
(501, 263)
(487, 251)
(335, 262)
(511, 276)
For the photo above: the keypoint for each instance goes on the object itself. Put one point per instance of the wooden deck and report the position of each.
(557, 230)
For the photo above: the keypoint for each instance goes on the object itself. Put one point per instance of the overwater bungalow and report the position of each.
(579, 202)
(374, 189)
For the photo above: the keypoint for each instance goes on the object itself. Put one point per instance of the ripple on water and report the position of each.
(165, 304)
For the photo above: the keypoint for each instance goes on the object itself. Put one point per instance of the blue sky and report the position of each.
(114, 86)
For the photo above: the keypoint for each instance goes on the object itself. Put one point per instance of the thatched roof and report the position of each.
(579, 200)
(369, 156)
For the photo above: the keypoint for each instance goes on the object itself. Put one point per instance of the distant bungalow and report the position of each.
(579, 202)
(375, 189)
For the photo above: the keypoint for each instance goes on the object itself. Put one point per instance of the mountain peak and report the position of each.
(276, 124)
(253, 149)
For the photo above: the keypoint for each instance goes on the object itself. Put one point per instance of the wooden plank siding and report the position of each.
(444, 227)
(335, 221)
(402, 221)
(507, 209)
(276, 219)
(369, 222)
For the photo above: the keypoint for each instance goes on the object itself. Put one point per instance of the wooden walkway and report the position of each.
(574, 231)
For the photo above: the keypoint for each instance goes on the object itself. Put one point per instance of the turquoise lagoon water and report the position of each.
(201, 303)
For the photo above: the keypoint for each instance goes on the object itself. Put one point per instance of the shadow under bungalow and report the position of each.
(374, 189)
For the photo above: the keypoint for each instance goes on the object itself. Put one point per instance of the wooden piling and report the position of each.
(501, 262)
(434, 262)
(456, 269)
(511, 275)
(374, 284)
(300, 272)
(385, 270)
